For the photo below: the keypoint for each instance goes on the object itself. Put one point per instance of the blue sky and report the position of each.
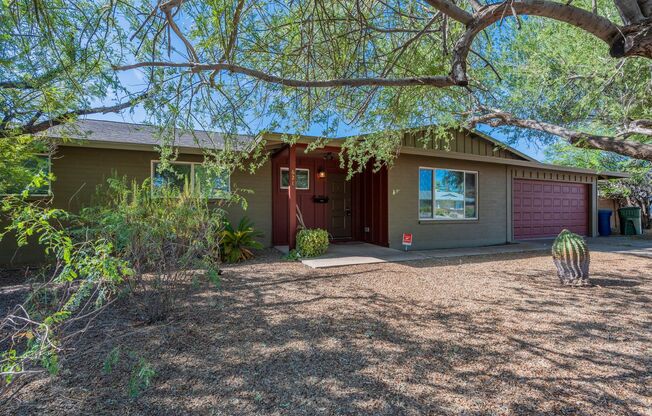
(133, 80)
(139, 116)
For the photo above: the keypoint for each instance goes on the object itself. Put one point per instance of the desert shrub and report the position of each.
(127, 241)
(238, 243)
(141, 371)
(141, 377)
(312, 242)
(165, 237)
(82, 280)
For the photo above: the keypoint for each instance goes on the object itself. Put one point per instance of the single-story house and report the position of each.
(470, 190)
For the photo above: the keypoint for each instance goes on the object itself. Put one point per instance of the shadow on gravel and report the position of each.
(308, 342)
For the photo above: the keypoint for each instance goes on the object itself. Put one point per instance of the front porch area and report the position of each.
(310, 187)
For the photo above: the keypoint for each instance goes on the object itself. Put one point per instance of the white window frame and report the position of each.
(30, 195)
(434, 194)
(192, 175)
(280, 181)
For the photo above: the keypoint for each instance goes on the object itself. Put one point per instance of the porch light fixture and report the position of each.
(321, 173)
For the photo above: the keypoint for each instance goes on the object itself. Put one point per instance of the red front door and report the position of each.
(543, 208)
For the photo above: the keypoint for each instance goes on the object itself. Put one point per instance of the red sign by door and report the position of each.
(407, 239)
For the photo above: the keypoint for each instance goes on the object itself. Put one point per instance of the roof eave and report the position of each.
(113, 145)
(609, 175)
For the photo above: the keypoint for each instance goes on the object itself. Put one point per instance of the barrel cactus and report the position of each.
(571, 256)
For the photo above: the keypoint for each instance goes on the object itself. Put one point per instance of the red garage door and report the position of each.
(543, 209)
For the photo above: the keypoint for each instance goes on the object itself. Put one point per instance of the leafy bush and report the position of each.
(129, 242)
(237, 243)
(84, 277)
(293, 255)
(165, 238)
(312, 242)
(141, 377)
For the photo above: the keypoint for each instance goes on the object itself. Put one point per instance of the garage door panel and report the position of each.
(543, 209)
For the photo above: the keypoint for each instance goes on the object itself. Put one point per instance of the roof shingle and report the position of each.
(142, 134)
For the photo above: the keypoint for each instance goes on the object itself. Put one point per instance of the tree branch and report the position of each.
(433, 81)
(451, 10)
(598, 26)
(34, 82)
(32, 128)
(642, 127)
(634, 149)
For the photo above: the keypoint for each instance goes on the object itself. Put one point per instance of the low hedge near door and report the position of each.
(312, 242)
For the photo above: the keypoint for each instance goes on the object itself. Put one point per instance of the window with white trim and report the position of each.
(32, 177)
(181, 175)
(303, 178)
(446, 194)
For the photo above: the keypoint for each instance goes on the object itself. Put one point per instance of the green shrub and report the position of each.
(84, 275)
(141, 378)
(293, 255)
(128, 242)
(237, 243)
(165, 238)
(312, 242)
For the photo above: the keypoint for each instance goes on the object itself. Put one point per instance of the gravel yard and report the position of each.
(457, 336)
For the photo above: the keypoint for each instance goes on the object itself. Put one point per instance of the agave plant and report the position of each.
(237, 244)
(571, 256)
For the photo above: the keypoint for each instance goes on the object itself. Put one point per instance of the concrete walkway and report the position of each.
(362, 253)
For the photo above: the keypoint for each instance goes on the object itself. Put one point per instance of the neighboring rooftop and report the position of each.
(105, 132)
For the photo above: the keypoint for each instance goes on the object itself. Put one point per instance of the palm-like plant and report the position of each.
(237, 244)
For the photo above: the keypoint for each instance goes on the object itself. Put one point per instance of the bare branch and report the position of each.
(450, 9)
(32, 127)
(433, 81)
(476, 5)
(496, 118)
(642, 127)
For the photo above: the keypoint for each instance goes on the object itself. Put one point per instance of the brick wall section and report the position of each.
(80, 170)
(494, 224)
(490, 227)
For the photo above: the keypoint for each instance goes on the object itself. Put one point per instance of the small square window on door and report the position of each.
(303, 178)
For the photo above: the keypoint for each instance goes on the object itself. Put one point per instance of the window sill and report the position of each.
(441, 222)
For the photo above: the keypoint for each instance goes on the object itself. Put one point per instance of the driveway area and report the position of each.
(481, 335)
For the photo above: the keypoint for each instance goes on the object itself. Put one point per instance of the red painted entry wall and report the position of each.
(543, 209)
(368, 203)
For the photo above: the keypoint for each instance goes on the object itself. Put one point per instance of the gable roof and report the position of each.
(462, 141)
(502, 145)
(131, 136)
(105, 133)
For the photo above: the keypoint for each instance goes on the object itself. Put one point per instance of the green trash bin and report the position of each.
(630, 220)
